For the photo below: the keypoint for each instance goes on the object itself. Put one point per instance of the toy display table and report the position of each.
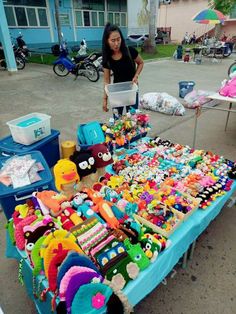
(150, 278)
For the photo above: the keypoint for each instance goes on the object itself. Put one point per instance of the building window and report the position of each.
(233, 13)
(86, 18)
(26, 13)
(43, 21)
(10, 16)
(32, 17)
(92, 12)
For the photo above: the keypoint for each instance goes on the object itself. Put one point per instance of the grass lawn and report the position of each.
(163, 51)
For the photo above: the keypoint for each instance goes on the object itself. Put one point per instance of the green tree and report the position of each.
(224, 6)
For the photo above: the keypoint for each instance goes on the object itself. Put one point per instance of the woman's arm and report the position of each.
(107, 80)
(139, 62)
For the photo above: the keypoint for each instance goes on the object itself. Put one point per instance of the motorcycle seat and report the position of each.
(80, 58)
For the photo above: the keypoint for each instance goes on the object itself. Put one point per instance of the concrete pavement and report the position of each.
(208, 284)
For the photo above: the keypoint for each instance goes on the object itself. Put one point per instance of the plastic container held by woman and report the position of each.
(121, 94)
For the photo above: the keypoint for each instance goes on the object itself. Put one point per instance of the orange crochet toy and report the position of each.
(103, 207)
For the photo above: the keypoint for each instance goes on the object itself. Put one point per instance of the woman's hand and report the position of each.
(135, 79)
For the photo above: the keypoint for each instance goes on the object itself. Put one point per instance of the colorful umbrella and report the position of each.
(209, 16)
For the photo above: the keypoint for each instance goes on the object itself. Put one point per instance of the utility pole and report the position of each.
(150, 43)
(153, 21)
(58, 21)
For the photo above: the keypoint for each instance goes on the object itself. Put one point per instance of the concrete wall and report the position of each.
(178, 15)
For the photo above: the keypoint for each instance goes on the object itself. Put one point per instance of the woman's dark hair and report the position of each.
(106, 51)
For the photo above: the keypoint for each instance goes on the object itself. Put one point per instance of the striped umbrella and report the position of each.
(209, 16)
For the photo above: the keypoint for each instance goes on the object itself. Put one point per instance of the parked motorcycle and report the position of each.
(94, 57)
(22, 47)
(65, 65)
(20, 62)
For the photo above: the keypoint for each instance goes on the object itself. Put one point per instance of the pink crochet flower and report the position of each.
(98, 300)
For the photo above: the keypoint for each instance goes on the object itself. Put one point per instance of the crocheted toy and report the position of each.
(137, 254)
(52, 200)
(66, 176)
(103, 207)
(85, 162)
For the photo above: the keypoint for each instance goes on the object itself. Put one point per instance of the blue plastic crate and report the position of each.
(49, 147)
(10, 197)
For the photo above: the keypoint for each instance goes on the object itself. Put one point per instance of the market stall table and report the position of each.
(150, 278)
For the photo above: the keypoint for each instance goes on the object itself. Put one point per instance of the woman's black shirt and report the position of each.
(124, 68)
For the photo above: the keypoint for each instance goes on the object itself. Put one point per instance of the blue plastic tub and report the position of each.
(185, 87)
(49, 147)
(10, 197)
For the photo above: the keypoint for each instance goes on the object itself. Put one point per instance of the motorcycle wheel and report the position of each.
(206, 52)
(20, 63)
(91, 73)
(232, 68)
(228, 53)
(60, 70)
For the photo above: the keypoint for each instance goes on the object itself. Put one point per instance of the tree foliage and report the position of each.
(224, 6)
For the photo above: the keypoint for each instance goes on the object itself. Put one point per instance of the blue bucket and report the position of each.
(185, 87)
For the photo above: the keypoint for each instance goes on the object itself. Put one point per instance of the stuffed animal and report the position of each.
(103, 207)
(101, 155)
(85, 162)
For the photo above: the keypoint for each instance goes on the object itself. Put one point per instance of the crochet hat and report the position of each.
(37, 261)
(58, 234)
(49, 253)
(54, 264)
(67, 277)
(19, 233)
(74, 259)
(101, 155)
(91, 299)
(75, 283)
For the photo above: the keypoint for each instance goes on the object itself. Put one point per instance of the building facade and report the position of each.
(79, 19)
(178, 15)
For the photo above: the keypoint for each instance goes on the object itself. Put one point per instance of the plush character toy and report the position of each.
(103, 207)
(85, 162)
(101, 155)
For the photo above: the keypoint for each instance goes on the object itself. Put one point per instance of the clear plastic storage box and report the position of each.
(31, 128)
(121, 94)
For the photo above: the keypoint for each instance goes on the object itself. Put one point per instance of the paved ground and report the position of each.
(208, 284)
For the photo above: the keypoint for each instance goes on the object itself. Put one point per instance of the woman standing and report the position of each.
(125, 62)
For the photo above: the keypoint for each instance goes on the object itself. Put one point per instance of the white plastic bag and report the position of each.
(162, 102)
(196, 98)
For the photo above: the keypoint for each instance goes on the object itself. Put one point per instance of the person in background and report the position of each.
(193, 39)
(125, 62)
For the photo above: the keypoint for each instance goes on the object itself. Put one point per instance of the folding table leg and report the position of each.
(184, 262)
(227, 119)
(192, 250)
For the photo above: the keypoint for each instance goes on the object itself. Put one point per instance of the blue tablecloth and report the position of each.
(148, 279)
